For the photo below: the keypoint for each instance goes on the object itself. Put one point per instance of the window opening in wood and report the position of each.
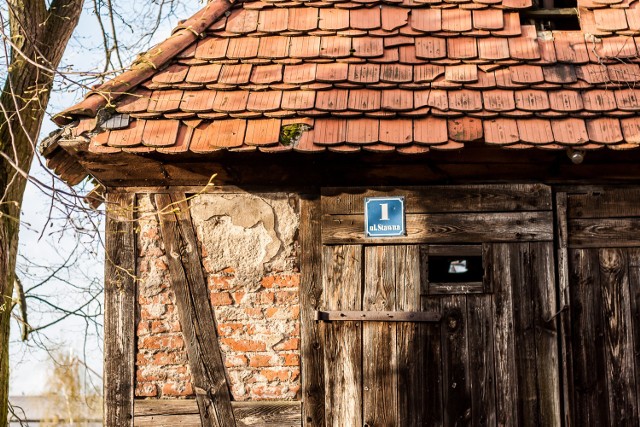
(455, 269)
(552, 15)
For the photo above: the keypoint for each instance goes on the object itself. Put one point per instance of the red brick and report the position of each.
(228, 329)
(164, 358)
(244, 345)
(292, 359)
(281, 281)
(219, 282)
(176, 389)
(233, 361)
(221, 298)
(287, 297)
(146, 390)
(290, 344)
(267, 297)
(144, 327)
(278, 374)
(259, 360)
(238, 296)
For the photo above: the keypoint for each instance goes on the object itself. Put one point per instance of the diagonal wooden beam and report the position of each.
(195, 312)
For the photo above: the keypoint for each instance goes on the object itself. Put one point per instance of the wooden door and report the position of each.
(403, 350)
(601, 299)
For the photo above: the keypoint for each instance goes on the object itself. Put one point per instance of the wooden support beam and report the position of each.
(184, 413)
(378, 316)
(119, 306)
(311, 350)
(195, 312)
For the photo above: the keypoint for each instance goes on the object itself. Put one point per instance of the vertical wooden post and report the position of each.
(312, 373)
(563, 299)
(119, 306)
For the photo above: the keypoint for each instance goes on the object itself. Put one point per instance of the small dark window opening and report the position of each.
(455, 269)
(552, 15)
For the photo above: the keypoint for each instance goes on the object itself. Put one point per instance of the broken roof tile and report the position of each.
(393, 17)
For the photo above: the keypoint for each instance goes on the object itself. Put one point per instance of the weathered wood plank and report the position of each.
(455, 356)
(446, 228)
(120, 304)
(634, 306)
(614, 285)
(311, 352)
(378, 316)
(379, 358)
(564, 315)
(410, 343)
(610, 203)
(522, 294)
(543, 295)
(196, 318)
(604, 232)
(455, 250)
(504, 347)
(481, 363)
(187, 420)
(589, 373)
(456, 288)
(342, 277)
(161, 412)
(436, 199)
(431, 363)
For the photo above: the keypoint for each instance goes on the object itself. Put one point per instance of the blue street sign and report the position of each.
(384, 216)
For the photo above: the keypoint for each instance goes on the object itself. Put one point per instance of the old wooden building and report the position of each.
(371, 213)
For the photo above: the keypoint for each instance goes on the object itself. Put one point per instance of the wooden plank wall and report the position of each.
(604, 284)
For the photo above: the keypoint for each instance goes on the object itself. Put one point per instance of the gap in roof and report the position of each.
(552, 15)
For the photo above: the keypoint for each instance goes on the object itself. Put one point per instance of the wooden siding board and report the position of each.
(611, 203)
(120, 304)
(410, 340)
(543, 295)
(504, 345)
(342, 276)
(589, 374)
(455, 356)
(311, 351)
(197, 320)
(432, 360)
(564, 302)
(481, 363)
(604, 232)
(614, 286)
(446, 228)
(634, 302)
(379, 348)
(439, 199)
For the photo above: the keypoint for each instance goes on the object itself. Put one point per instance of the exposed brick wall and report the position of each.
(251, 267)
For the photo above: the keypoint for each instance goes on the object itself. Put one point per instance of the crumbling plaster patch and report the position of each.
(250, 233)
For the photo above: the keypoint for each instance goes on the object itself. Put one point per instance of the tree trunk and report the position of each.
(39, 36)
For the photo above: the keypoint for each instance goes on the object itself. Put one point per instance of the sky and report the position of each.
(46, 240)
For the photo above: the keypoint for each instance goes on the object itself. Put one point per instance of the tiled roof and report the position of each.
(407, 76)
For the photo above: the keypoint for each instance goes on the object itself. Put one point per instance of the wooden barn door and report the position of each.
(601, 295)
(401, 349)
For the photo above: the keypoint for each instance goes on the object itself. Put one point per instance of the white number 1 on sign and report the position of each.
(385, 212)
